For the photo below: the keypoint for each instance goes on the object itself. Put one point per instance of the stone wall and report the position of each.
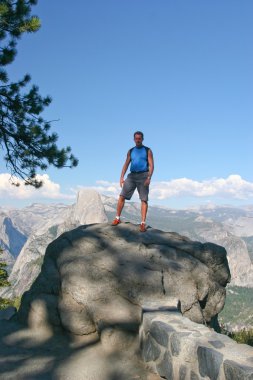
(176, 348)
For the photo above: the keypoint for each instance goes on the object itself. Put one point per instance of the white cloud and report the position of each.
(232, 187)
(49, 190)
(108, 188)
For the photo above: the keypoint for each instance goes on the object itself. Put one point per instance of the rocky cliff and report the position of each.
(11, 240)
(17, 225)
(87, 209)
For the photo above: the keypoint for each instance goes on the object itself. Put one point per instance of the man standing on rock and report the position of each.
(141, 170)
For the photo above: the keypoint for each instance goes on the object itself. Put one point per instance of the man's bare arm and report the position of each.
(150, 163)
(151, 167)
(124, 169)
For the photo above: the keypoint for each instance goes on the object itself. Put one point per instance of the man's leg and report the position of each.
(126, 193)
(121, 203)
(143, 191)
(120, 206)
(144, 210)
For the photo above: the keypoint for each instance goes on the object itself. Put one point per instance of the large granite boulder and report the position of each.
(98, 277)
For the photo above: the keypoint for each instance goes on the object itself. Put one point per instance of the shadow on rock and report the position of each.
(84, 310)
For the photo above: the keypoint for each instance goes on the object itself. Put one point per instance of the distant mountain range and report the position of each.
(16, 225)
(32, 228)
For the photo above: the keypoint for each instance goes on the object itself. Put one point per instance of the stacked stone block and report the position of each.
(176, 348)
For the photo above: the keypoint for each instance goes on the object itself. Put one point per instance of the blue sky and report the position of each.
(180, 71)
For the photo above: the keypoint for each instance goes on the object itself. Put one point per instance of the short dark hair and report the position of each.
(139, 133)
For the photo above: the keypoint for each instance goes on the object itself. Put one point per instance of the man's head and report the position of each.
(138, 138)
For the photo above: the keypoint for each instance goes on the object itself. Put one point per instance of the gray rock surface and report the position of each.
(237, 371)
(209, 362)
(98, 276)
(35, 354)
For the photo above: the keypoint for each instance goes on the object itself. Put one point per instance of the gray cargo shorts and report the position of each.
(133, 181)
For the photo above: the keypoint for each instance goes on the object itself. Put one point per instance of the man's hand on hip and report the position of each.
(147, 182)
(121, 181)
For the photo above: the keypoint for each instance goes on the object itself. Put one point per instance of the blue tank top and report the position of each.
(139, 159)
